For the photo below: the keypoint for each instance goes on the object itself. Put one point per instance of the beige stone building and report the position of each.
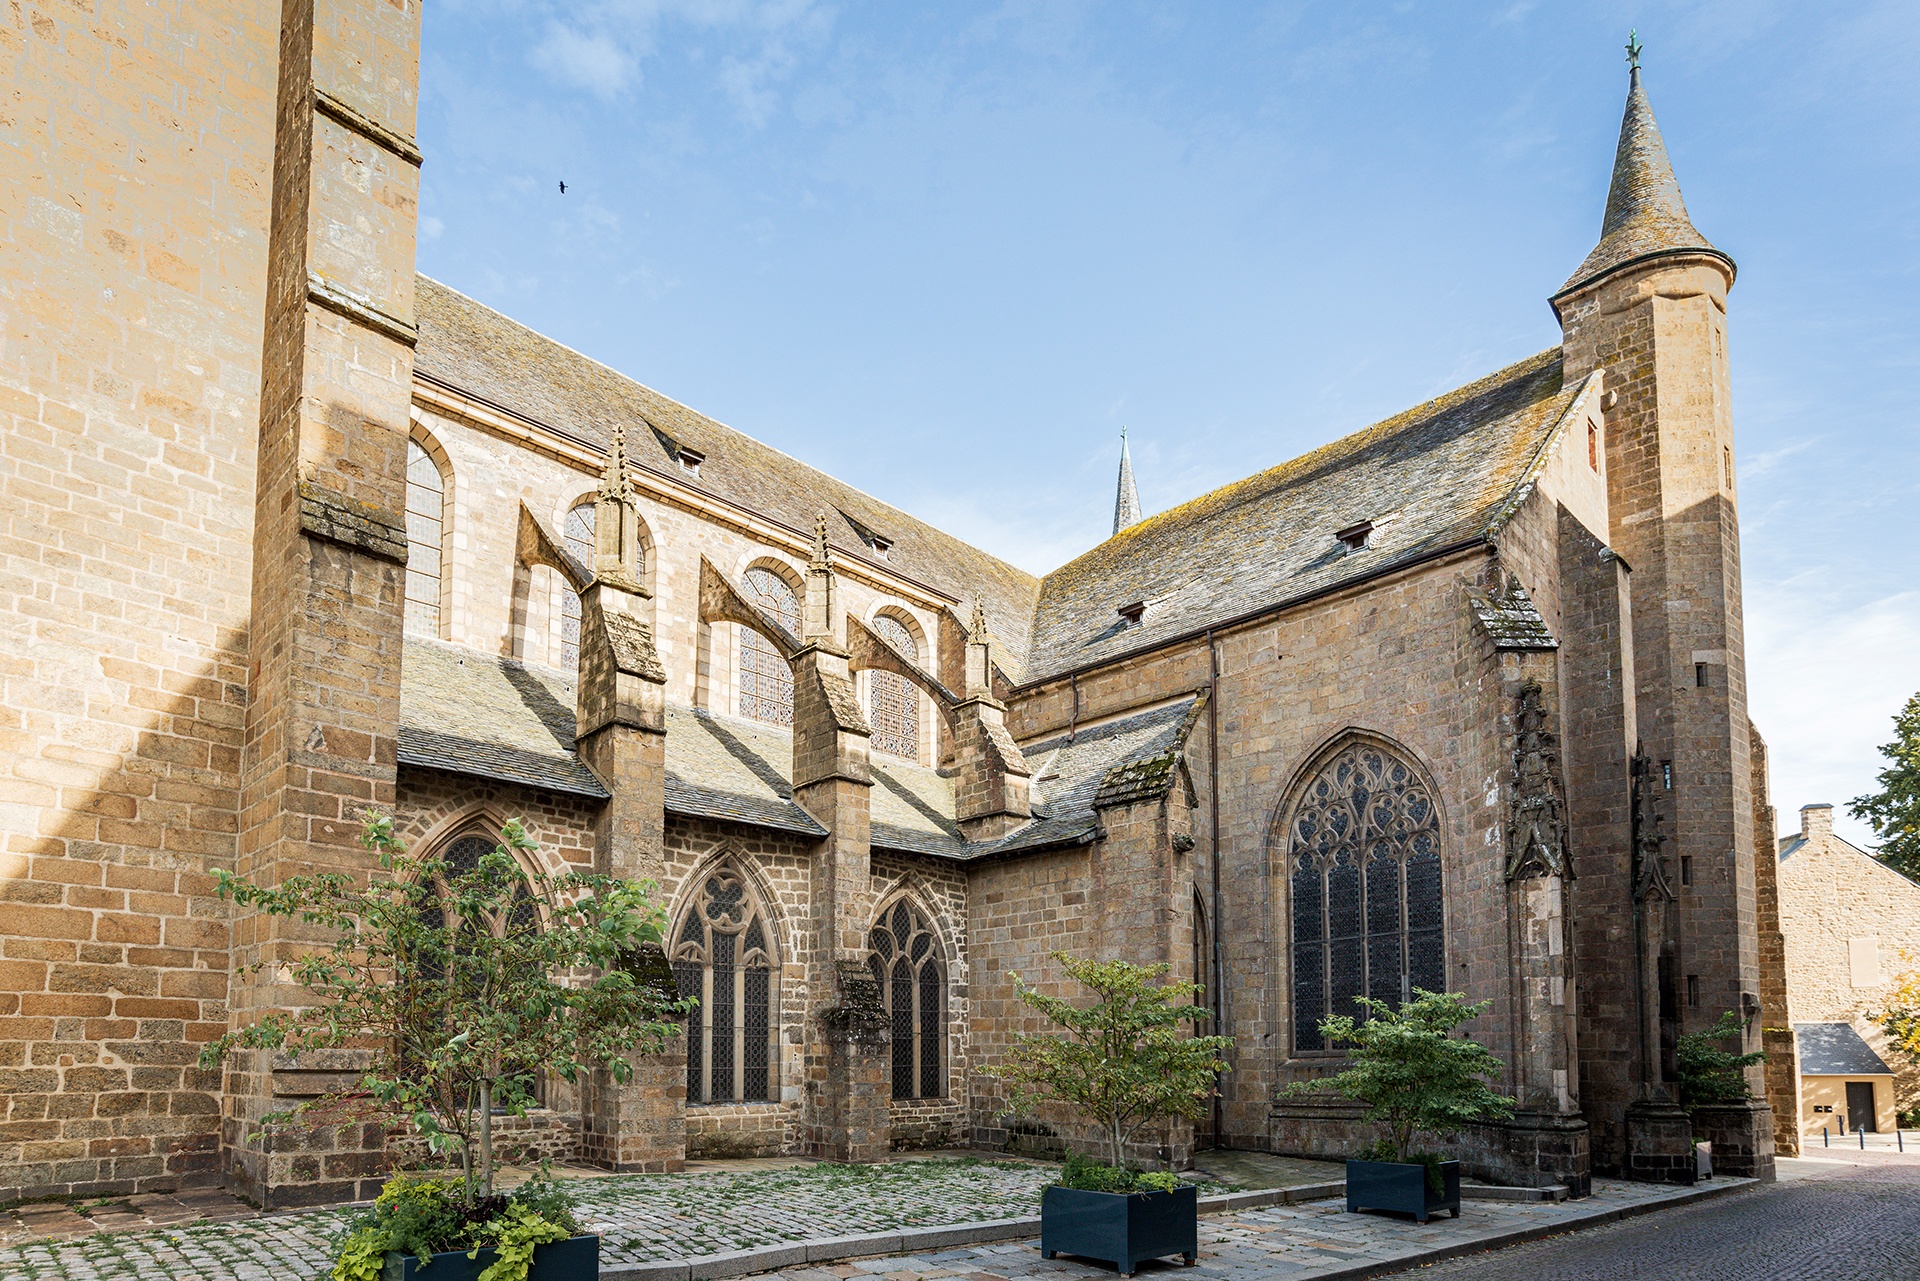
(1851, 927)
(1455, 702)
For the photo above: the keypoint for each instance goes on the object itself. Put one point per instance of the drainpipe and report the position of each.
(1213, 831)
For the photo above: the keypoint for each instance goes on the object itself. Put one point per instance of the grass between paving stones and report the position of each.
(640, 1217)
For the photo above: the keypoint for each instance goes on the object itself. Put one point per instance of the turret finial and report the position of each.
(614, 485)
(820, 537)
(1633, 51)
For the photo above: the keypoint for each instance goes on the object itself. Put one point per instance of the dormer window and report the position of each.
(690, 460)
(1132, 614)
(1356, 538)
(881, 546)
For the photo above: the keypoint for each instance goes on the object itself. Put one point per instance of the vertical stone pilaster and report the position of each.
(330, 543)
(1782, 1068)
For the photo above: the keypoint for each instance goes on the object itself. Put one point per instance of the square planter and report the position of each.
(1388, 1185)
(575, 1259)
(1122, 1227)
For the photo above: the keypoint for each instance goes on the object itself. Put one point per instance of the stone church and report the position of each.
(1456, 702)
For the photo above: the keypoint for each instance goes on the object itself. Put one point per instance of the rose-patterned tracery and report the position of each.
(723, 954)
(1364, 861)
(905, 958)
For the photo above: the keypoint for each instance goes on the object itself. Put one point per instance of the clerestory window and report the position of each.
(894, 701)
(426, 538)
(766, 681)
(1364, 849)
(578, 535)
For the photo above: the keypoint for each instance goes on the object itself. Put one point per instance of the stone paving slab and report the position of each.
(936, 1218)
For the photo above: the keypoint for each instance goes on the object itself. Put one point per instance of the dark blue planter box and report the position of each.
(1121, 1227)
(1388, 1185)
(577, 1259)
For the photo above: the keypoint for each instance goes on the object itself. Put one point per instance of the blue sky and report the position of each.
(946, 251)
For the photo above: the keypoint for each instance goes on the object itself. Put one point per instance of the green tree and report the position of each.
(460, 985)
(1709, 1074)
(1413, 1075)
(1894, 810)
(1125, 1060)
(1900, 1016)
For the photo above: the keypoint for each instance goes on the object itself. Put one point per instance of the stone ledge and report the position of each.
(1489, 1192)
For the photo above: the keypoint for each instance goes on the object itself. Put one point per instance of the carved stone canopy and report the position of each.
(1537, 827)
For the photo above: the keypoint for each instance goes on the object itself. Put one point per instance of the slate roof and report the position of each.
(1115, 763)
(472, 713)
(1835, 1049)
(740, 770)
(1437, 475)
(1645, 215)
(481, 352)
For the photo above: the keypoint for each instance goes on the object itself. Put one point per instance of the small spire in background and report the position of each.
(1126, 503)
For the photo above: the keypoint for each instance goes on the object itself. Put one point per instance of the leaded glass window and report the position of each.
(578, 535)
(1364, 852)
(895, 710)
(905, 959)
(426, 536)
(723, 955)
(766, 682)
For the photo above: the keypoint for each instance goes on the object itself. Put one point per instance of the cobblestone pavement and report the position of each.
(640, 1218)
(1853, 1221)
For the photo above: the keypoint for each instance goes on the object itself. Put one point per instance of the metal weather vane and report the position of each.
(1633, 49)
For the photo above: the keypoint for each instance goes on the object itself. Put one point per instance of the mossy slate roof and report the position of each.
(472, 713)
(1439, 474)
(1836, 1049)
(472, 347)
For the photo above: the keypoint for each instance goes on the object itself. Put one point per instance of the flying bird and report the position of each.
(563, 187)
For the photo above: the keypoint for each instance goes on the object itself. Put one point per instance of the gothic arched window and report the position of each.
(462, 859)
(895, 702)
(578, 536)
(906, 961)
(426, 536)
(723, 954)
(1364, 858)
(766, 682)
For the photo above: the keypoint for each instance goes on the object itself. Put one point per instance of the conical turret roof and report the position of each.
(1646, 216)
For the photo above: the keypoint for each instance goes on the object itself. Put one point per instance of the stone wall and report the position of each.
(1852, 927)
(133, 243)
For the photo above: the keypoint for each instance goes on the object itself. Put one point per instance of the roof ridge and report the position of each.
(1299, 462)
(706, 417)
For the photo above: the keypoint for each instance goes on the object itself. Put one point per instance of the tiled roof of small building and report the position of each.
(1645, 215)
(477, 714)
(1836, 1049)
(478, 350)
(1438, 474)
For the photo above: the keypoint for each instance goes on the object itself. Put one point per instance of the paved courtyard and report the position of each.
(644, 1219)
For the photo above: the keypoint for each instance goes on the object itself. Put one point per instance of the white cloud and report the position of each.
(431, 227)
(1824, 681)
(591, 62)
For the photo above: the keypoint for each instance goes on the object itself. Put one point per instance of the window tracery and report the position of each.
(723, 954)
(426, 536)
(906, 961)
(766, 681)
(1364, 855)
(894, 709)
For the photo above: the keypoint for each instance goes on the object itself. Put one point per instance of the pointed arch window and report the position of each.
(462, 858)
(577, 533)
(723, 955)
(426, 537)
(905, 959)
(894, 702)
(1364, 856)
(766, 681)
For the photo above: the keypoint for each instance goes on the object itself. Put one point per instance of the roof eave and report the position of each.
(1580, 283)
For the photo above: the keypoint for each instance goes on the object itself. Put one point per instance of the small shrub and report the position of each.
(1708, 1074)
(423, 1217)
(1086, 1174)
